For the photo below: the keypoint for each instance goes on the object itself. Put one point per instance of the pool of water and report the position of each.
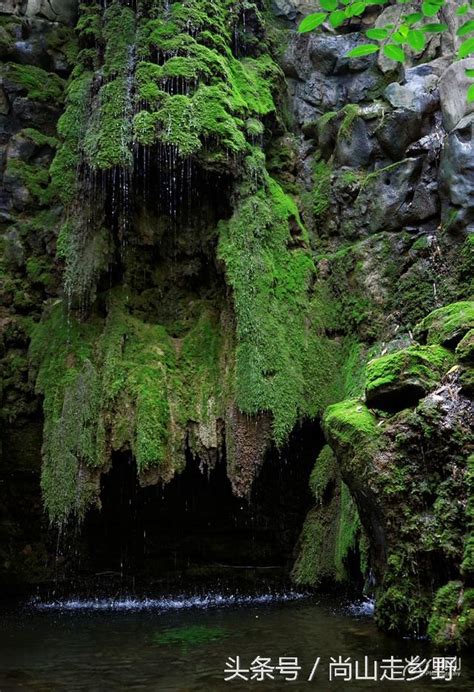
(186, 643)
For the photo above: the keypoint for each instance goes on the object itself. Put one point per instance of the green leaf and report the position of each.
(466, 28)
(413, 18)
(434, 28)
(430, 8)
(469, 73)
(416, 40)
(360, 51)
(470, 94)
(337, 18)
(356, 9)
(462, 10)
(466, 48)
(394, 52)
(377, 34)
(329, 5)
(311, 22)
(399, 38)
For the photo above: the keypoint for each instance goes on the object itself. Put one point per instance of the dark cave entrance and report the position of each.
(194, 529)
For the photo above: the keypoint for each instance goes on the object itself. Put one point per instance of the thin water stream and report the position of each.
(184, 643)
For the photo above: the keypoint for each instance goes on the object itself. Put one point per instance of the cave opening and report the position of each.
(194, 530)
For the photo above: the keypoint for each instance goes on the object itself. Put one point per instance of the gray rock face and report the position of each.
(453, 86)
(321, 77)
(418, 93)
(62, 11)
(457, 168)
(355, 148)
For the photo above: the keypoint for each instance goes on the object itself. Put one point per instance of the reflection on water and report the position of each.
(183, 644)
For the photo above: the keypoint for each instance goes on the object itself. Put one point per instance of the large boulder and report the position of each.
(398, 380)
(447, 325)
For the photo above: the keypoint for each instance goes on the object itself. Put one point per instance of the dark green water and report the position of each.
(185, 644)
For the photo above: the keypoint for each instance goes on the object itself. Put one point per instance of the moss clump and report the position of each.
(402, 608)
(226, 96)
(39, 85)
(39, 138)
(61, 352)
(350, 423)
(351, 112)
(467, 567)
(465, 348)
(195, 635)
(332, 530)
(121, 384)
(39, 271)
(277, 349)
(71, 128)
(322, 189)
(446, 325)
(417, 368)
(34, 177)
(442, 628)
(323, 473)
(197, 98)
(107, 139)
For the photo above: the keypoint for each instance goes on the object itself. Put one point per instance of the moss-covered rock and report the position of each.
(398, 380)
(331, 542)
(465, 348)
(350, 426)
(452, 620)
(38, 84)
(447, 325)
(120, 384)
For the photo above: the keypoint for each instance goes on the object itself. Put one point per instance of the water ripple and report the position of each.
(165, 603)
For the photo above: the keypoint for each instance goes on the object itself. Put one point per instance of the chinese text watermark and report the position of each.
(343, 668)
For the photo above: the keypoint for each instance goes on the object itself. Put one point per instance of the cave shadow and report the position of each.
(194, 530)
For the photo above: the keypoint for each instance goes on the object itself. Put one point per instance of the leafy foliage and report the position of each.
(410, 31)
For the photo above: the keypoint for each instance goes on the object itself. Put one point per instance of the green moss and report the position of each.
(279, 346)
(331, 533)
(39, 85)
(39, 138)
(351, 112)
(39, 271)
(350, 423)
(108, 137)
(61, 351)
(402, 607)
(323, 473)
(34, 177)
(465, 348)
(218, 93)
(71, 128)
(467, 567)
(422, 366)
(62, 39)
(195, 635)
(446, 325)
(348, 534)
(121, 384)
(322, 189)
(442, 628)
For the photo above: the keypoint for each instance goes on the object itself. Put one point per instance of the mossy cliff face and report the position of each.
(392, 244)
(187, 320)
(195, 264)
(36, 55)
